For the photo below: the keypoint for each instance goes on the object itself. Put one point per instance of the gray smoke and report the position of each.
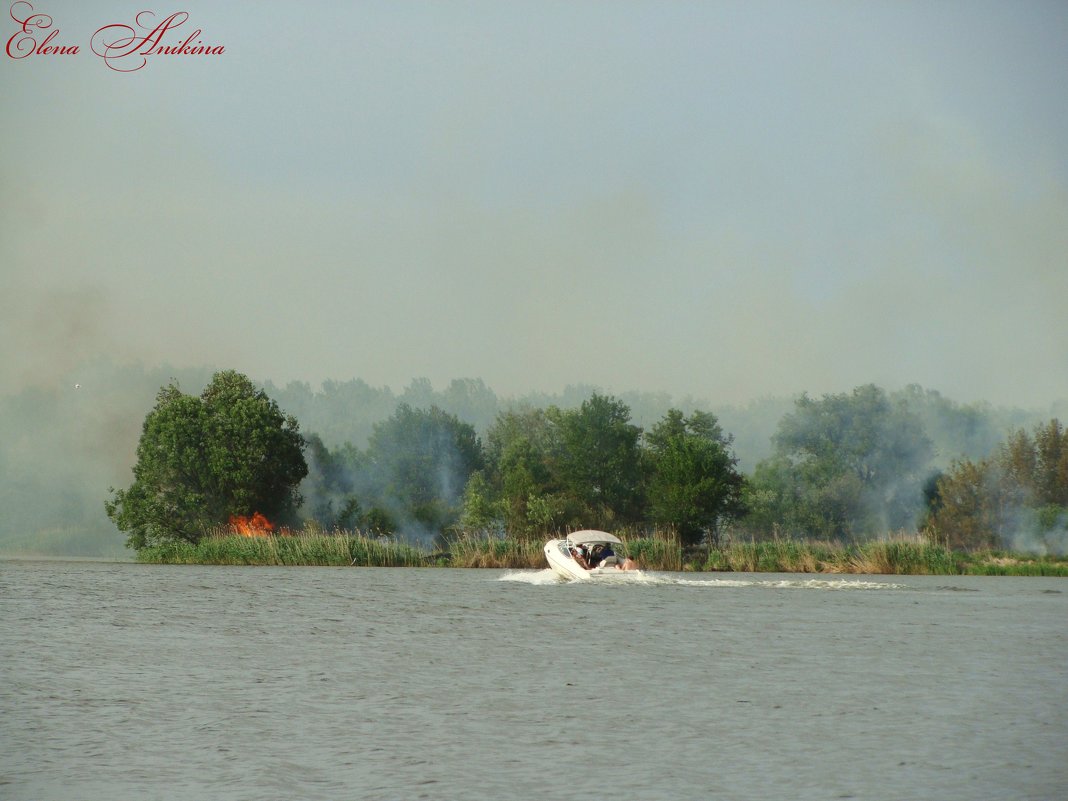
(1023, 530)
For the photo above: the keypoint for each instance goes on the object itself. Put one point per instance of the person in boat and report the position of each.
(603, 554)
(605, 557)
(593, 557)
(580, 555)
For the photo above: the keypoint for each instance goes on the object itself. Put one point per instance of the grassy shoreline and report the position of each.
(342, 549)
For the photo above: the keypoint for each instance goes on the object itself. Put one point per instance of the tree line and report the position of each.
(843, 467)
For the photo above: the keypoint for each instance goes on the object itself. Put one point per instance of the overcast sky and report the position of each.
(722, 200)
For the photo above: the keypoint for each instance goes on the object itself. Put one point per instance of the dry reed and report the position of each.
(662, 551)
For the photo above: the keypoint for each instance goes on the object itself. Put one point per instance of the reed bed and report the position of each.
(904, 558)
(908, 556)
(786, 556)
(999, 563)
(796, 556)
(338, 549)
(660, 552)
(469, 551)
(655, 553)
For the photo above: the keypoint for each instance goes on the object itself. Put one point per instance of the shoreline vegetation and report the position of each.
(905, 555)
(851, 486)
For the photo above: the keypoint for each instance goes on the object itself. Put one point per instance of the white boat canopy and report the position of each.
(589, 537)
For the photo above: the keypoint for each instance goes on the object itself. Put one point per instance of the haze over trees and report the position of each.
(845, 466)
(61, 447)
(419, 461)
(1017, 497)
(409, 479)
(541, 470)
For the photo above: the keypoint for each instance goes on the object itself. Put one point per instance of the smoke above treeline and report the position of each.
(62, 446)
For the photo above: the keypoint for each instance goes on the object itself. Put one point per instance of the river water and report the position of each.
(126, 681)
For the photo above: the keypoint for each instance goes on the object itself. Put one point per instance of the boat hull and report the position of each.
(563, 564)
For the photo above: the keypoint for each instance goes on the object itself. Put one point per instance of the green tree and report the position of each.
(480, 513)
(201, 460)
(695, 483)
(600, 461)
(522, 454)
(553, 468)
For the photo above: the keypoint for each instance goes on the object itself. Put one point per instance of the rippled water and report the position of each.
(124, 681)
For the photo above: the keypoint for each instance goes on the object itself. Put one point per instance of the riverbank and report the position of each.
(893, 557)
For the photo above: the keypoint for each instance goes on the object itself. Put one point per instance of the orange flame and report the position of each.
(255, 526)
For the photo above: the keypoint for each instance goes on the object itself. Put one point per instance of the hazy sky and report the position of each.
(724, 200)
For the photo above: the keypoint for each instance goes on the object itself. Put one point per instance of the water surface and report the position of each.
(126, 681)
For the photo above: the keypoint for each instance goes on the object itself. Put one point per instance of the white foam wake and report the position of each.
(538, 577)
(798, 584)
(547, 576)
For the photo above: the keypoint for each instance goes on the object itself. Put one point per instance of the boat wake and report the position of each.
(795, 584)
(645, 579)
(539, 578)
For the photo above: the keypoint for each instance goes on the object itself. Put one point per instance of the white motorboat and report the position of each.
(588, 554)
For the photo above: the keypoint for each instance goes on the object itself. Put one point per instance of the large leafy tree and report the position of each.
(600, 462)
(522, 454)
(695, 484)
(200, 460)
(553, 468)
